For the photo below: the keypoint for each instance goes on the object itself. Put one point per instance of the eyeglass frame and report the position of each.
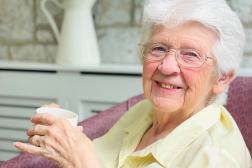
(168, 50)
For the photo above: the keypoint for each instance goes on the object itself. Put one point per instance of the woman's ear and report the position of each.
(224, 80)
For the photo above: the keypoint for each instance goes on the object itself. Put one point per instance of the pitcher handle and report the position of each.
(50, 18)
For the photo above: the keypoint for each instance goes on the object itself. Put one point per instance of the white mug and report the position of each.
(59, 112)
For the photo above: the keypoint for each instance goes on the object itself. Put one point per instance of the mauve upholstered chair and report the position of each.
(239, 104)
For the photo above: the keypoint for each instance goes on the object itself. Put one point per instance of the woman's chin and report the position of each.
(166, 104)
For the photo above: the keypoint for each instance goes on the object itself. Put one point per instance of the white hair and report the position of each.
(214, 14)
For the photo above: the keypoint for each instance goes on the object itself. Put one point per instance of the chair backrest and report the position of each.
(239, 104)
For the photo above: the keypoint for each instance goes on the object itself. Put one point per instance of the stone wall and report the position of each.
(25, 34)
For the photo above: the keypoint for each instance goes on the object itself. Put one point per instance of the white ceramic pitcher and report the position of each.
(77, 42)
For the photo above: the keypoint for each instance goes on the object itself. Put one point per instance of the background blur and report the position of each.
(25, 34)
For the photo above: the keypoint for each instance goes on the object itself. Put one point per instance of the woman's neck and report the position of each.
(163, 123)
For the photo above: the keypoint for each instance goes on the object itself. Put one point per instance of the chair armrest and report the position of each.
(99, 124)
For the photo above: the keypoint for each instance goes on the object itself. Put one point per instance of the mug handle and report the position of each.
(50, 18)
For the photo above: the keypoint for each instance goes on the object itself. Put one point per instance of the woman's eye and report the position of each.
(190, 54)
(159, 49)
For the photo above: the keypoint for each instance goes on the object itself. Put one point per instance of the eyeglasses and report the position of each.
(186, 57)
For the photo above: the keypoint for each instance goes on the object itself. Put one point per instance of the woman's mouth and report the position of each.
(167, 86)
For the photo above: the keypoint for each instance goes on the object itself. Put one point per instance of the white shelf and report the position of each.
(104, 68)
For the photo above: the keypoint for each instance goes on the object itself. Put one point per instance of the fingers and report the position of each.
(35, 140)
(49, 153)
(43, 119)
(40, 135)
(30, 148)
(38, 130)
(46, 143)
(56, 132)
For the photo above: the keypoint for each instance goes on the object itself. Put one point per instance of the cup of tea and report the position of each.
(61, 113)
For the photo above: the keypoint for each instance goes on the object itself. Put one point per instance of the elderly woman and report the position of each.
(191, 51)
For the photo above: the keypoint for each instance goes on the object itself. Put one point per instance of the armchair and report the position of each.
(239, 104)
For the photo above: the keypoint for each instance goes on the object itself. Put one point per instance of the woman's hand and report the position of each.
(57, 140)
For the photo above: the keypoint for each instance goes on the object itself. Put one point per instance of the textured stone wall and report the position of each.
(25, 34)
(244, 10)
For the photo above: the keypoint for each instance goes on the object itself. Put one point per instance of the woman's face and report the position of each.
(172, 87)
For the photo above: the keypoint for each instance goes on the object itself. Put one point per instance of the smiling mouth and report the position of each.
(168, 86)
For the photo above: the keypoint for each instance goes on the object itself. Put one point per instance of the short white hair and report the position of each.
(214, 14)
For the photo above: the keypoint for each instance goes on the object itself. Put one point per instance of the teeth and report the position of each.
(167, 86)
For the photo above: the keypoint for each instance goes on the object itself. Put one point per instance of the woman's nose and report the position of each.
(169, 65)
